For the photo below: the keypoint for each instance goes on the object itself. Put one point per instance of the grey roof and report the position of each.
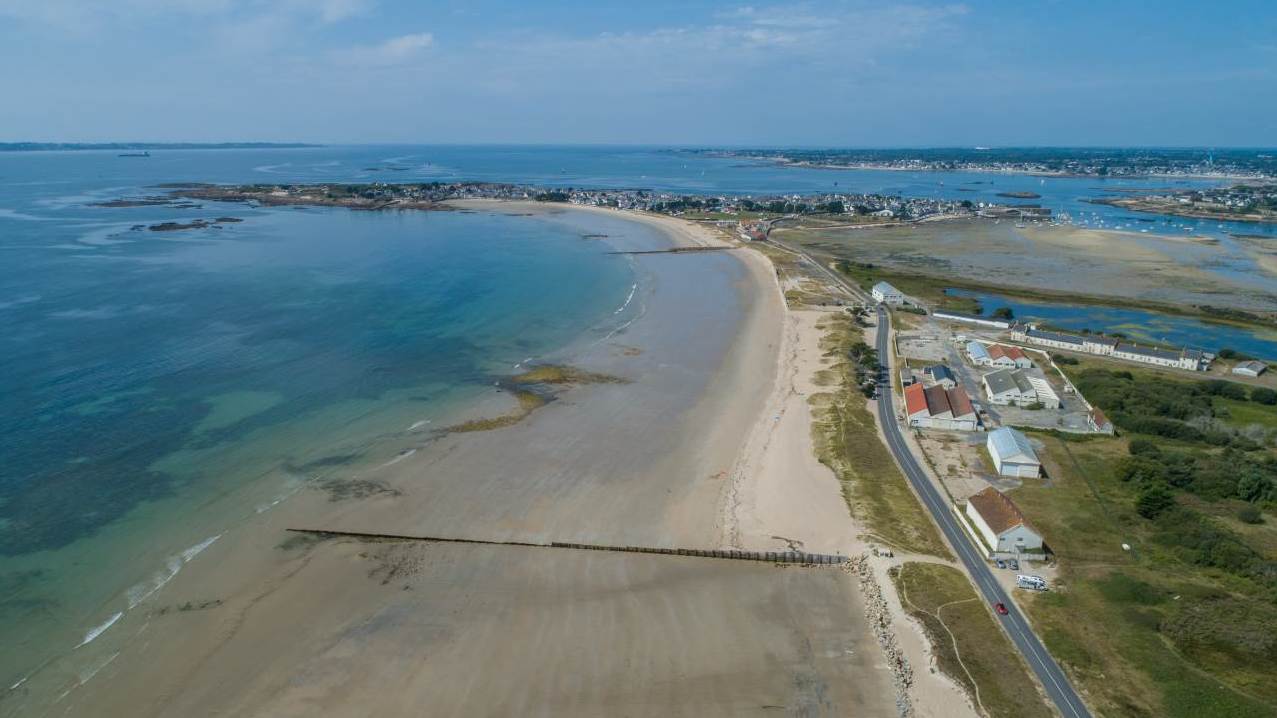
(1054, 336)
(1005, 380)
(1256, 366)
(884, 288)
(1011, 445)
(1154, 352)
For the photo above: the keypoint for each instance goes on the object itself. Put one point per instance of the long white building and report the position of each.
(887, 294)
(1191, 359)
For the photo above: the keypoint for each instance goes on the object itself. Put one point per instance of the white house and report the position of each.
(941, 375)
(1009, 387)
(1250, 368)
(1012, 454)
(1001, 526)
(978, 354)
(887, 294)
(1005, 357)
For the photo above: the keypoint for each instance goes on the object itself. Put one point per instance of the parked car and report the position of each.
(1001, 608)
(1000, 563)
(1014, 564)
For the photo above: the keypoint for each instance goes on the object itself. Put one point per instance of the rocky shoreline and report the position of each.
(878, 613)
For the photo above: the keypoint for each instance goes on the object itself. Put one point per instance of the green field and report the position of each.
(1143, 632)
(968, 646)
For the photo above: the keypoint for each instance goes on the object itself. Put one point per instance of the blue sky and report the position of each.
(840, 72)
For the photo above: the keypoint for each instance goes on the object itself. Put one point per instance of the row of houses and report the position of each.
(1191, 359)
(998, 355)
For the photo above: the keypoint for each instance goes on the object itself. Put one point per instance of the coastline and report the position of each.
(300, 626)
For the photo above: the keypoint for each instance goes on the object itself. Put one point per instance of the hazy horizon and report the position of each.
(841, 74)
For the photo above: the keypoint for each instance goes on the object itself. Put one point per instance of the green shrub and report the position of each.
(1153, 501)
(1262, 395)
(1250, 514)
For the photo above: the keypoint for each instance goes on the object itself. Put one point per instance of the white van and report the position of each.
(1034, 583)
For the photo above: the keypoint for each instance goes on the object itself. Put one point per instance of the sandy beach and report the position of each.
(707, 444)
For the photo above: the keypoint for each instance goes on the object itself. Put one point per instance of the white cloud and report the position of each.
(87, 16)
(394, 51)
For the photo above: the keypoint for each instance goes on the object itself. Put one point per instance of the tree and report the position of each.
(835, 207)
(1262, 395)
(1153, 501)
(1003, 313)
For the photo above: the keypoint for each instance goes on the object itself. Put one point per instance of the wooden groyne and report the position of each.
(795, 557)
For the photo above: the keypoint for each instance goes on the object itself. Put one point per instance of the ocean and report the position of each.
(160, 387)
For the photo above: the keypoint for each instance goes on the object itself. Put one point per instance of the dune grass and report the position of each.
(969, 647)
(846, 440)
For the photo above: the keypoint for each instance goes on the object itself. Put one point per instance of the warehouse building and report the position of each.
(1250, 368)
(1012, 453)
(1001, 527)
(887, 294)
(1009, 387)
(971, 319)
(936, 407)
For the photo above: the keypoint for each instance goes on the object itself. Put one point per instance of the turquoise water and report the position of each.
(1139, 324)
(148, 376)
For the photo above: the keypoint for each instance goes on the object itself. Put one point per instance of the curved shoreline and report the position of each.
(275, 617)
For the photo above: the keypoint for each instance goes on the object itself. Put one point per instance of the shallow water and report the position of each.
(1138, 324)
(161, 386)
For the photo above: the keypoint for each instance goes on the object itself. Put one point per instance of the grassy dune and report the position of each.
(969, 647)
(846, 440)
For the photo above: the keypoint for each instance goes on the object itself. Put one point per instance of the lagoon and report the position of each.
(1139, 324)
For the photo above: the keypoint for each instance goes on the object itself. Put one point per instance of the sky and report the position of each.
(845, 73)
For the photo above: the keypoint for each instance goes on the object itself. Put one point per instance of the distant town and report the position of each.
(1242, 202)
(1076, 162)
(379, 195)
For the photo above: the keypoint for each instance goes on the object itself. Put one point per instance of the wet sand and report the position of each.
(272, 623)
(1147, 266)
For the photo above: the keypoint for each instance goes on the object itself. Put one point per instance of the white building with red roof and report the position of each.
(1000, 526)
(935, 407)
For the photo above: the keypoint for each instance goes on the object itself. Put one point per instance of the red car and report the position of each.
(1001, 608)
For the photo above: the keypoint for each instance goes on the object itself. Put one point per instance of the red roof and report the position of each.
(937, 402)
(915, 399)
(997, 510)
(960, 402)
(1013, 353)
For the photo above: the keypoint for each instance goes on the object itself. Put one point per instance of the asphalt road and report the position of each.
(1048, 672)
